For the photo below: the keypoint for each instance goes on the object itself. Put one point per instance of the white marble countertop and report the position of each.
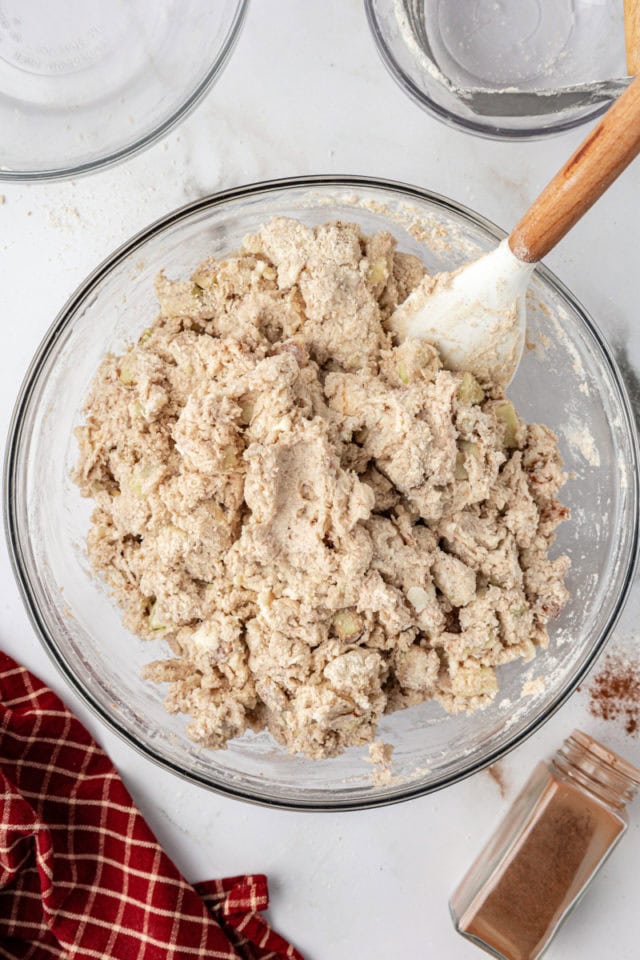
(306, 93)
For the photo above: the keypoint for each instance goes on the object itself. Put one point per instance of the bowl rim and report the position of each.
(14, 446)
(451, 119)
(140, 144)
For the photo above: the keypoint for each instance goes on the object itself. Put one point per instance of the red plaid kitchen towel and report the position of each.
(82, 876)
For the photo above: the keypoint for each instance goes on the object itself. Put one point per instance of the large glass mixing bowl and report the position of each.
(567, 379)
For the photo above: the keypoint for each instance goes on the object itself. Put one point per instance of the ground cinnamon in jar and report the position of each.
(558, 832)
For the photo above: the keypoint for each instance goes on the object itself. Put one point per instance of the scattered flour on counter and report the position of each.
(64, 218)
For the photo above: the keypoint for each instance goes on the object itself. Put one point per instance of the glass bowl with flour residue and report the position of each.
(567, 379)
(514, 69)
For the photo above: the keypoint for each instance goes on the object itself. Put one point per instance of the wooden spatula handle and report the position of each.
(632, 35)
(602, 157)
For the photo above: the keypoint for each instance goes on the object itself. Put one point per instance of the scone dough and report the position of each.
(323, 525)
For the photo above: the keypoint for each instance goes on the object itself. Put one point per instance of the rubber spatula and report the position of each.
(476, 316)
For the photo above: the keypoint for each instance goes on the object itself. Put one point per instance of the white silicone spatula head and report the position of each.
(476, 317)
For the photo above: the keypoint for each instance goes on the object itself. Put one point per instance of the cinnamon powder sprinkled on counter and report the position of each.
(615, 691)
(496, 773)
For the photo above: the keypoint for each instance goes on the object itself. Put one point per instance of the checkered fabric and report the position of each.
(82, 877)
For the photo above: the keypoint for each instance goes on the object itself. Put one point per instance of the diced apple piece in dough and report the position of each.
(247, 409)
(347, 624)
(466, 448)
(128, 373)
(378, 272)
(144, 478)
(403, 373)
(505, 412)
(470, 390)
(155, 620)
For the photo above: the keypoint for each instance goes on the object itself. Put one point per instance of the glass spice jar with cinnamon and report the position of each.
(563, 825)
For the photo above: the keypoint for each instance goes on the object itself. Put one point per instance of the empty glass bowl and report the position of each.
(85, 83)
(512, 69)
(567, 380)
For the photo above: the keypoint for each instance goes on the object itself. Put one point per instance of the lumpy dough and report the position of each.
(323, 525)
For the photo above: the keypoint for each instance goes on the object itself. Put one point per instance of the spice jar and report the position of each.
(563, 825)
